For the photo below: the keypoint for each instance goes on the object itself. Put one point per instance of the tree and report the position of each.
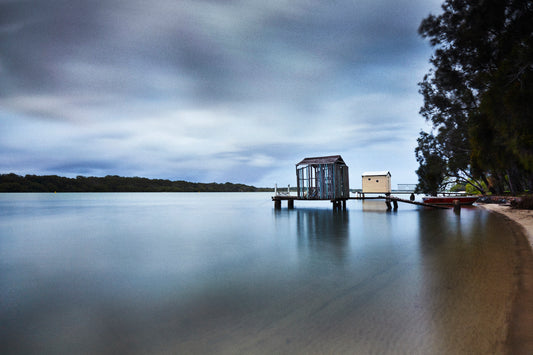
(478, 95)
(110, 183)
(432, 170)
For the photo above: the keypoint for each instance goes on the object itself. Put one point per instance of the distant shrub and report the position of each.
(525, 203)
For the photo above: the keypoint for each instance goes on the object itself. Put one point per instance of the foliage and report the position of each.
(110, 183)
(479, 93)
(458, 188)
(432, 170)
(525, 203)
(471, 190)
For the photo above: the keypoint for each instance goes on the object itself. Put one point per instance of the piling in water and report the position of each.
(457, 206)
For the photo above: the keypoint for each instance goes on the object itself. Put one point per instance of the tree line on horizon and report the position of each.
(478, 96)
(112, 183)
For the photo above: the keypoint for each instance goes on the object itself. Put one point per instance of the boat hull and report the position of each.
(449, 200)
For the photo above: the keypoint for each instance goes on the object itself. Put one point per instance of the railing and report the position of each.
(406, 187)
(282, 192)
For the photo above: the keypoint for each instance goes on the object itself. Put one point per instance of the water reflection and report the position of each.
(466, 290)
(374, 206)
(323, 232)
(225, 273)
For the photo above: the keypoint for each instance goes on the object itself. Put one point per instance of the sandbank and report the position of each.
(520, 335)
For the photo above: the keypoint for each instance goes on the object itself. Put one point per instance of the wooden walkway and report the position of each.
(337, 203)
(390, 201)
(395, 201)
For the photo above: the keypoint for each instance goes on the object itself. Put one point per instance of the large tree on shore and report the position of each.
(479, 94)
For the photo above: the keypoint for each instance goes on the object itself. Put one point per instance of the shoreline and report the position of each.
(520, 327)
(524, 218)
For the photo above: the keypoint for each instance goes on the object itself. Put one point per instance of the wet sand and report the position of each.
(520, 328)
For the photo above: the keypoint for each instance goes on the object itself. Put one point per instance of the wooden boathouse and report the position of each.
(326, 178)
(376, 182)
(320, 178)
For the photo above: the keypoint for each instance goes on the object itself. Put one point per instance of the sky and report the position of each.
(211, 90)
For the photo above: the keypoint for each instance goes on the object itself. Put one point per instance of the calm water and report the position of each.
(226, 273)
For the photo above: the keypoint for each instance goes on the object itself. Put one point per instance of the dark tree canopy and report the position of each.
(432, 165)
(479, 94)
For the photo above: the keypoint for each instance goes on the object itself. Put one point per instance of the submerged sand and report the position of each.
(520, 335)
(523, 217)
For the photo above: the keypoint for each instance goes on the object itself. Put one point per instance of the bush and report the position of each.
(525, 203)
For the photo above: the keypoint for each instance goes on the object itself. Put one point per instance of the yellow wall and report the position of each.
(376, 184)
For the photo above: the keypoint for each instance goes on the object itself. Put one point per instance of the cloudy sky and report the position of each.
(210, 90)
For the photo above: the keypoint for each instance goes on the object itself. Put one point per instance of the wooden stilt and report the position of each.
(390, 201)
(456, 206)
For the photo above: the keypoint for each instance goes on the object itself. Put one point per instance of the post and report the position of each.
(289, 190)
(275, 189)
(395, 204)
(277, 204)
(456, 206)
(344, 205)
(387, 202)
(290, 204)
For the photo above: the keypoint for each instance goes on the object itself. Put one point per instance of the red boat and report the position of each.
(449, 200)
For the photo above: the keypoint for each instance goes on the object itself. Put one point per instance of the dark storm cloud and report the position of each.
(223, 50)
(204, 81)
(36, 37)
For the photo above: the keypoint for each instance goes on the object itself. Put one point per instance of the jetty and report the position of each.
(326, 178)
(390, 201)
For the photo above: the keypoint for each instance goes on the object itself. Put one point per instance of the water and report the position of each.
(226, 273)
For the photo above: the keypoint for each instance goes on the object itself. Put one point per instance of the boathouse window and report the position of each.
(377, 180)
(369, 179)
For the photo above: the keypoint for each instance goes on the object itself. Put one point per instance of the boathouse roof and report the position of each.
(332, 159)
(377, 173)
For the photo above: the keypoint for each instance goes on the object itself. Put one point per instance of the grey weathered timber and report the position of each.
(322, 178)
(278, 198)
(397, 199)
(390, 201)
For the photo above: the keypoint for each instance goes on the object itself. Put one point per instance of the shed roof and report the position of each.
(332, 159)
(377, 173)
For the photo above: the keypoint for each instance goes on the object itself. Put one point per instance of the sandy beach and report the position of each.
(520, 336)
